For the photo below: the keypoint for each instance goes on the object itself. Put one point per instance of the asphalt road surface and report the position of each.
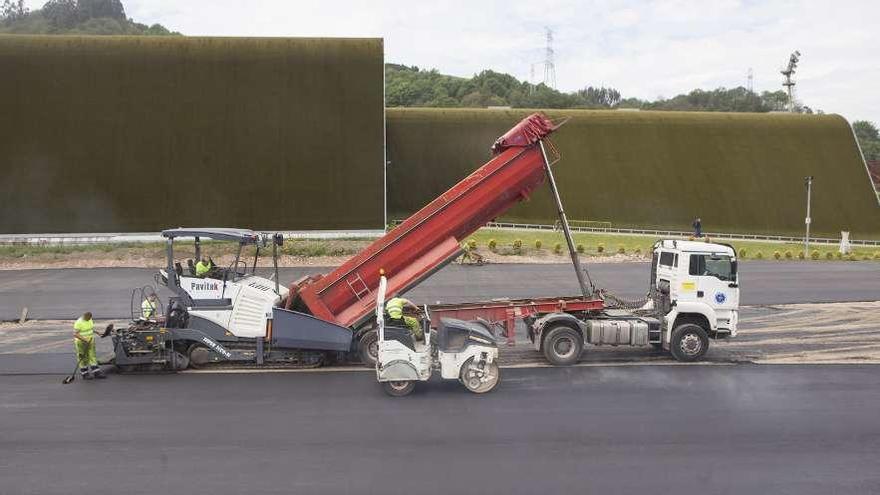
(64, 293)
(644, 429)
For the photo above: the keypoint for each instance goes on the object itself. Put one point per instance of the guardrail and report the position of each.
(143, 237)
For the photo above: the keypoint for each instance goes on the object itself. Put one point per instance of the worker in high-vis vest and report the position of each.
(394, 307)
(203, 267)
(84, 340)
(148, 307)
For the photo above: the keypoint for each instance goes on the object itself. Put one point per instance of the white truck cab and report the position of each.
(694, 284)
(693, 296)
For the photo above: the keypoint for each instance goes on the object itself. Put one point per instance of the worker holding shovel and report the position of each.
(84, 339)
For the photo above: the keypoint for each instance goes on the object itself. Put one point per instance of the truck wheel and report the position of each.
(689, 342)
(368, 348)
(479, 381)
(399, 388)
(563, 346)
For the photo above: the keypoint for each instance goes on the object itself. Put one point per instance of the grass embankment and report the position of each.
(154, 252)
(533, 246)
(610, 244)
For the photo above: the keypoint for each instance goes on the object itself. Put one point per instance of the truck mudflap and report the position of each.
(295, 330)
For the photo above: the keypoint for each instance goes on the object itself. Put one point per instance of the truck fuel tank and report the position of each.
(621, 331)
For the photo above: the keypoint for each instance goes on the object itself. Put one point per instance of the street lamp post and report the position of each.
(808, 182)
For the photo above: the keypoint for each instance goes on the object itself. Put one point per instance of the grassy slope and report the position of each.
(155, 252)
(739, 172)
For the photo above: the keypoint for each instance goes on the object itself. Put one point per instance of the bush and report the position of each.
(557, 248)
(866, 258)
(538, 243)
(815, 254)
(788, 255)
(493, 245)
(581, 248)
(839, 255)
(777, 254)
(759, 255)
(829, 255)
(638, 252)
(853, 257)
(877, 255)
(621, 249)
(517, 246)
(800, 255)
(472, 244)
(600, 248)
(743, 253)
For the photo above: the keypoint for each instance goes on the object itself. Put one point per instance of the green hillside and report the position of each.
(88, 17)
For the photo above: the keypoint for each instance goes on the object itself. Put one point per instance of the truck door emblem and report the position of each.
(720, 297)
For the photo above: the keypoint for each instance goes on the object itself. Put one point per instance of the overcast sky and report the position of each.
(645, 49)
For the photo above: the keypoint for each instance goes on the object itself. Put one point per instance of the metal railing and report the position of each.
(681, 233)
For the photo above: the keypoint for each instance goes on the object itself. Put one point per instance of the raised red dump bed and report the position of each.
(430, 238)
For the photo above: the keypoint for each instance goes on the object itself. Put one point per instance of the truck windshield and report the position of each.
(713, 265)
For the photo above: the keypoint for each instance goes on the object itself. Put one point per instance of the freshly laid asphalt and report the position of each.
(643, 429)
(106, 292)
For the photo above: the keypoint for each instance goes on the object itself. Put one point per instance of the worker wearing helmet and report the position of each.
(84, 340)
(148, 307)
(394, 307)
(203, 267)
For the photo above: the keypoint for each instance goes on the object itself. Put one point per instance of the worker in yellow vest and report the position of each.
(394, 308)
(203, 267)
(148, 307)
(84, 340)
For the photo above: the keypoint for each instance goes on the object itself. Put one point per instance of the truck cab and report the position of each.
(694, 284)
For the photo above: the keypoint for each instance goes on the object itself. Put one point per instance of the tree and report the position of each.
(869, 139)
(61, 14)
(599, 97)
(12, 11)
(92, 17)
(94, 9)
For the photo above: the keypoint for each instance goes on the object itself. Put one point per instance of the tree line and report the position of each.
(413, 87)
(410, 86)
(91, 17)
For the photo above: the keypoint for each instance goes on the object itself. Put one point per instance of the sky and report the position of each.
(645, 49)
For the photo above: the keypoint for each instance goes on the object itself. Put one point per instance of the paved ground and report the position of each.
(61, 294)
(677, 430)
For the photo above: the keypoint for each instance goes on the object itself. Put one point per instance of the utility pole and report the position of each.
(788, 83)
(808, 182)
(532, 81)
(549, 63)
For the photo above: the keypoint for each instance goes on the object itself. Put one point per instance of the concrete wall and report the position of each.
(129, 134)
(739, 172)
